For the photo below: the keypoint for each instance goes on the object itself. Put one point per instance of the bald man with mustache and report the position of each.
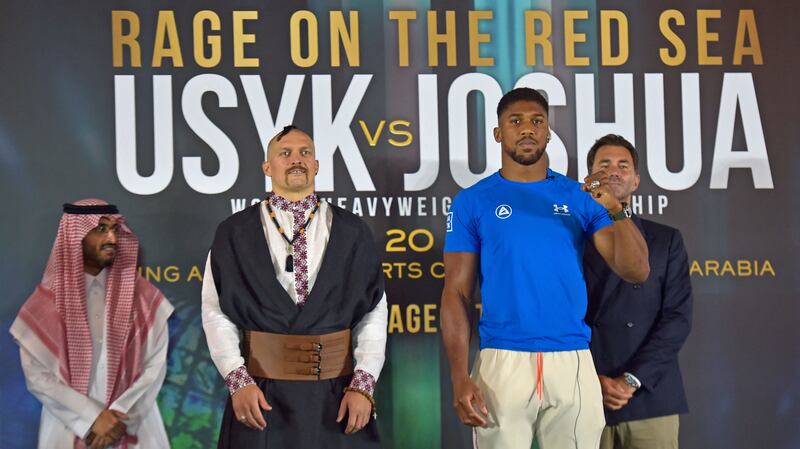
(295, 313)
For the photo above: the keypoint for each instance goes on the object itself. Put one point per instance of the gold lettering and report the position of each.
(387, 269)
(119, 40)
(195, 273)
(476, 38)
(704, 36)
(400, 132)
(680, 48)
(428, 312)
(395, 319)
(747, 28)
(712, 265)
(372, 139)
(448, 38)
(767, 267)
(414, 270)
(172, 273)
(152, 275)
(571, 37)
(240, 39)
(695, 268)
(312, 35)
(727, 267)
(743, 268)
(606, 17)
(402, 18)
(347, 37)
(412, 318)
(200, 40)
(166, 44)
(532, 39)
(437, 270)
(737, 267)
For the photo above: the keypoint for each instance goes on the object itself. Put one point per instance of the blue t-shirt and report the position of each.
(529, 237)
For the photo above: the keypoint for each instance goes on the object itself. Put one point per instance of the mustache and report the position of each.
(526, 139)
(108, 246)
(297, 167)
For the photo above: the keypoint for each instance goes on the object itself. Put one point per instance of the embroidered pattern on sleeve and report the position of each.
(363, 381)
(237, 379)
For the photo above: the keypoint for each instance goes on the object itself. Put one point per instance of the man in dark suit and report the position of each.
(638, 329)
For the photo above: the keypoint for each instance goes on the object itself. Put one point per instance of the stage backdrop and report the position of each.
(164, 108)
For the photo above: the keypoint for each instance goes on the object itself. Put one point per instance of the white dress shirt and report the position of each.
(369, 335)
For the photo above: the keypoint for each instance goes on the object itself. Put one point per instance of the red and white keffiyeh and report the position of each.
(56, 315)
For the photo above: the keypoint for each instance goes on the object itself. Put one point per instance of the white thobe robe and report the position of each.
(67, 413)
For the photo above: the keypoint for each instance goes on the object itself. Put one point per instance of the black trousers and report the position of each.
(303, 416)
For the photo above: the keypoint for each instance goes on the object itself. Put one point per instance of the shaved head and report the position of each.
(291, 163)
(288, 129)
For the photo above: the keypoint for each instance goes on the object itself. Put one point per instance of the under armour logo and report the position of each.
(560, 210)
(503, 211)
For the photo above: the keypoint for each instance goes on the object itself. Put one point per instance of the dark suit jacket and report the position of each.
(639, 328)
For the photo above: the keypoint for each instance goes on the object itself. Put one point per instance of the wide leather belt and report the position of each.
(298, 357)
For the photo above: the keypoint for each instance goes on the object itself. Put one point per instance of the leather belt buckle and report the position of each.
(318, 368)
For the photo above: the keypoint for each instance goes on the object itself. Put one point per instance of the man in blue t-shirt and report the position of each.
(522, 231)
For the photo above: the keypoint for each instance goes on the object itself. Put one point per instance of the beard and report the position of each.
(98, 259)
(525, 159)
(104, 260)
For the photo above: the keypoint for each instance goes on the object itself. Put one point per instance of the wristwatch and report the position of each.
(623, 214)
(632, 381)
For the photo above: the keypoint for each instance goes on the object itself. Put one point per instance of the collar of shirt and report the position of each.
(100, 278)
(302, 205)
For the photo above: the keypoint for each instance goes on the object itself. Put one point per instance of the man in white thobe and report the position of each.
(93, 337)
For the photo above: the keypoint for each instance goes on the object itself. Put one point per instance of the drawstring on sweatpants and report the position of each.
(539, 374)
